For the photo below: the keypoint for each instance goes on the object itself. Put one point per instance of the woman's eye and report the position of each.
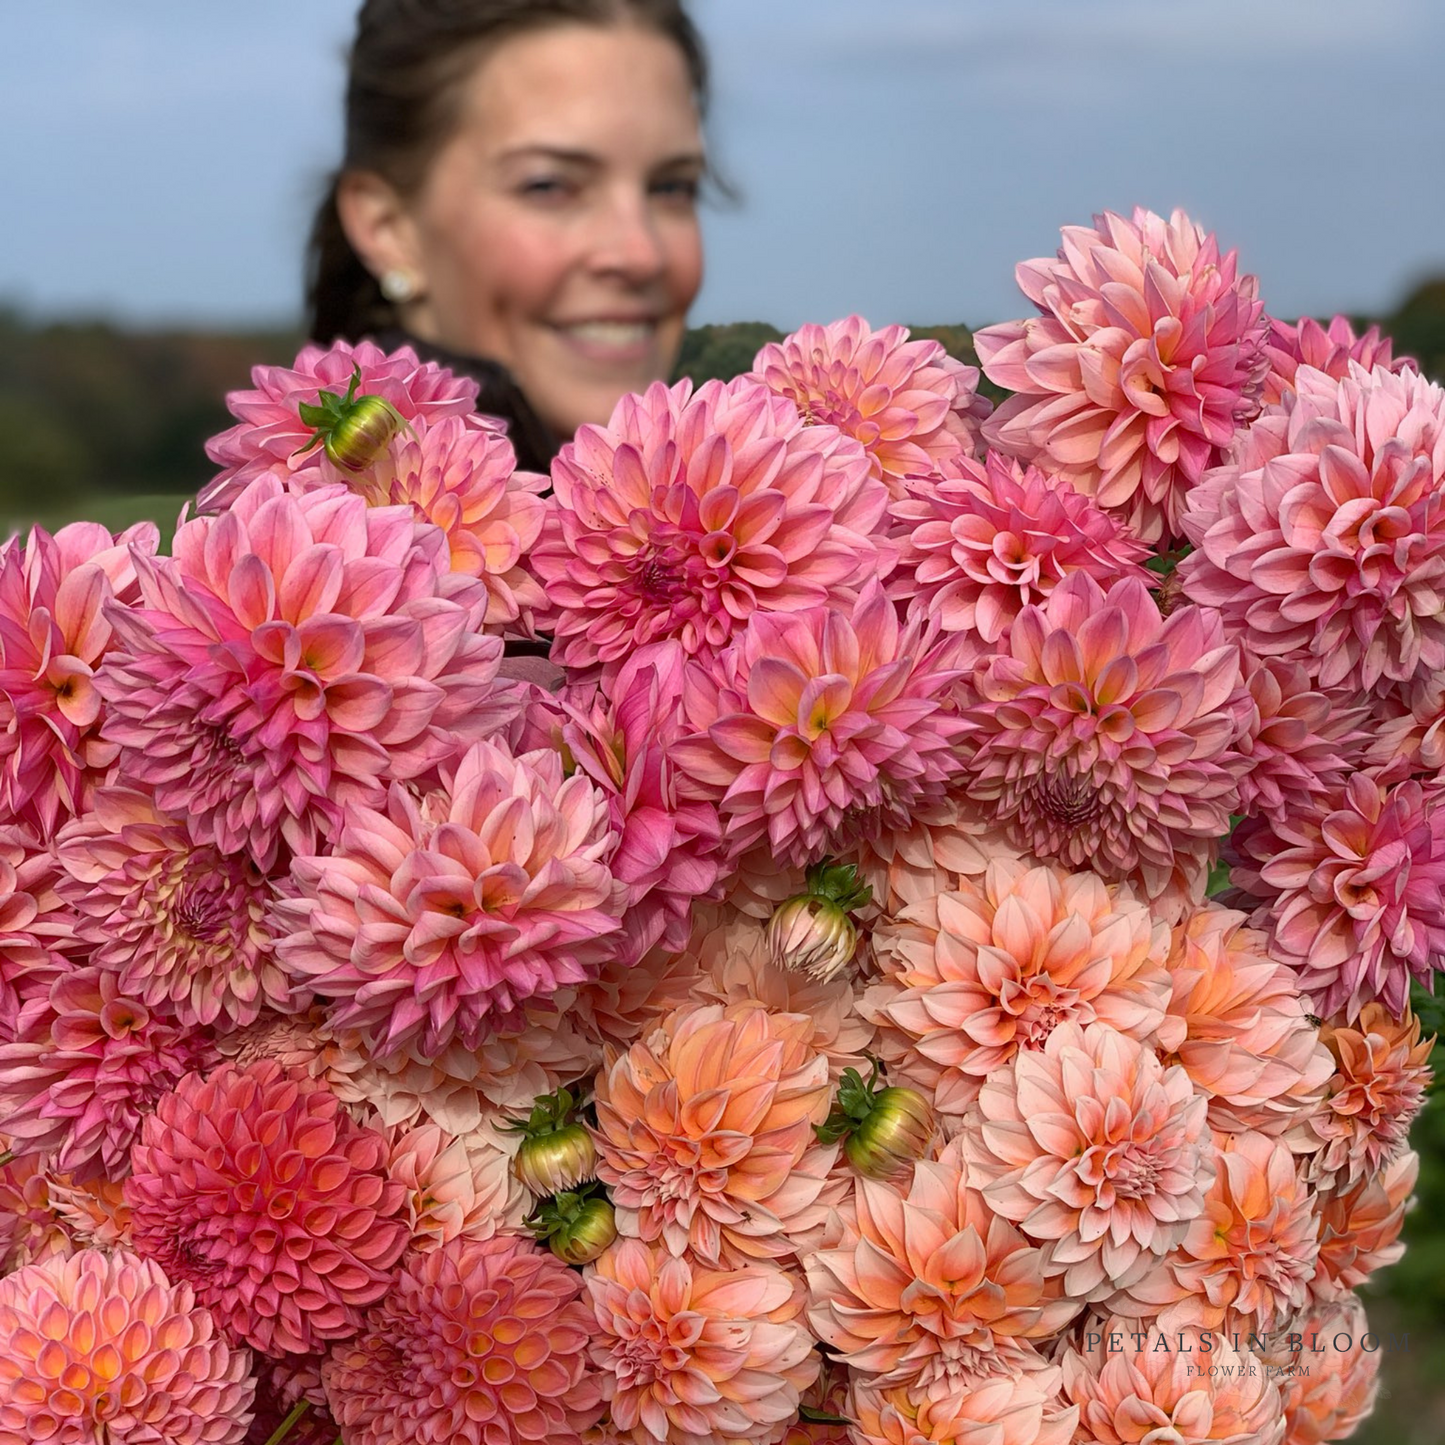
(679, 188)
(545, 187)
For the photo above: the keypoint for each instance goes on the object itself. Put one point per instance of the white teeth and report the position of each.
(612, 333)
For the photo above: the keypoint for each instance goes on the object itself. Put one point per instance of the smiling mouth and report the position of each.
(611, 335)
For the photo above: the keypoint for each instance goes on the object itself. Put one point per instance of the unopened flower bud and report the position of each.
(812, 935)
(556, 1161)
(893, 1137)
(355, 430)
(585, 1237)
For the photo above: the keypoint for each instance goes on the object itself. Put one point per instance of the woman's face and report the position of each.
(556, 232)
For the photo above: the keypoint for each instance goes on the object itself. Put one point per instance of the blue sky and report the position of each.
(897, 157)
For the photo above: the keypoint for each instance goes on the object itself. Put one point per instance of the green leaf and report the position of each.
(807, 1415)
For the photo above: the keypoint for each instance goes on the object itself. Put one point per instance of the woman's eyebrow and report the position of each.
(570, 156)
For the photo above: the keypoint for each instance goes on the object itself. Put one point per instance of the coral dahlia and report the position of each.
(294, 654)
(54, 634)
(261, 1192)
(1360, 1227)
(1104, 734)
(103, 1347)
(440, 920)
(1024, 1408)
(1094, 1148)
(992, 966)
(821, 728)
(480, 1342)
(696, 1356)
(705, 1133)
(1327, 1391)
(691, 510)
(1323, 538)
(911, 405)
(1147, 355)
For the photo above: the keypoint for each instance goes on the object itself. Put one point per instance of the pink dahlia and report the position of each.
(104, 1347)
(911, 405)
(1147, 355)
(294, 654)
(1022, 1408)
(691, 510)
(987, 539)
(1104, 734)
(89, 1061)
(54, 634)
(1378, 1086)
(1299, 742)
(668, 847)
(705, 1133)
(1329, 348)
(1360, 1227)
(440, 920)
(1408, 728)
(464, 479)
(821, 728)
(1132, 1385)
(260, 1191)
(180, 924)
(1247, 1259)
(31, 1228)
(480, 1342)
(270, 433)
(1241, 1028)
(933, 1286)
(1095, 1149)
(693, 1356)
(977, 973)
(37, 931)
(1354, 890)
(1323, 538)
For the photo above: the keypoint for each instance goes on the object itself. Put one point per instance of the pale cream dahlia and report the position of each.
(977, 973)
(1329, 348)
(987, 539)
(1147, 355)
(480, 1342)
(933, 1286)
(1378, 1086)
(1249, 1255)
(104, 1348)
(1323, 538)
(1104, 734)
(821, 728)
(1094, 1149)
(440, 919)
(695, 1356)
(705, 1133)
(1327, 1391)
(691, 510)
(1240, 1026)
(1360, 1227)
(1023, 1408)
(448, 1193)
(911, 405)
(261, 1192)
(181, 924)
(1198, 1389)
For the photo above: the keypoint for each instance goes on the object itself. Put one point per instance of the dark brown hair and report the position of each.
(403, 94)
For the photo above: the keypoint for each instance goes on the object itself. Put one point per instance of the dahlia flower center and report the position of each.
(201, 912)
(661, 575)
(642, 1359)
(1038, 1005)
(1119, 1171)
(1067, 799)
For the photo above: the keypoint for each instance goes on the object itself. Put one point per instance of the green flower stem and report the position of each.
(284, 1428)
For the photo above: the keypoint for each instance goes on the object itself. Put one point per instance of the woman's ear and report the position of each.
(380, 229)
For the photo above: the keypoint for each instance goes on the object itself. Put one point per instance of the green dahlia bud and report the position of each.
(557, 1152)
(812, 932)
(884, 1131)
(577, 1227)
(354, 430)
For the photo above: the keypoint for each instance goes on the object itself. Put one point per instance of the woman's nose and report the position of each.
(628, 243)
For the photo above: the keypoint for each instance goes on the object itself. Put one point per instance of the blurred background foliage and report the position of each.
(110, 424)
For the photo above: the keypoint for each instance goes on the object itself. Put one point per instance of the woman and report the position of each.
(518, 200)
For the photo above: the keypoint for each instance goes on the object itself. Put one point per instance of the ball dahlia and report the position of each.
(1323, 538)
(1353, 890)
(270, 433)
(696, 1356)
(54, 634)
(89, 1061)
(820, 728)
(992, 966)
(261, 1192)
(1241, 1028)
(1095, 1149)
(294, 654)
(103, 1347)
(439, 920)
(705, 1133)
(987, 539)
(911, 405)
(1147, 355)
(480, 1342)
(1006, 1409)
(1329, 348)
(180, 924)
(931, 1286)
(1104, 734)
(691, 510)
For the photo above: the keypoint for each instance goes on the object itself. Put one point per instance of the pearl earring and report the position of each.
(399, 286)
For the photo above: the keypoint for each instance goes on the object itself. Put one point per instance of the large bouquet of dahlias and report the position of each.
(844, 915)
